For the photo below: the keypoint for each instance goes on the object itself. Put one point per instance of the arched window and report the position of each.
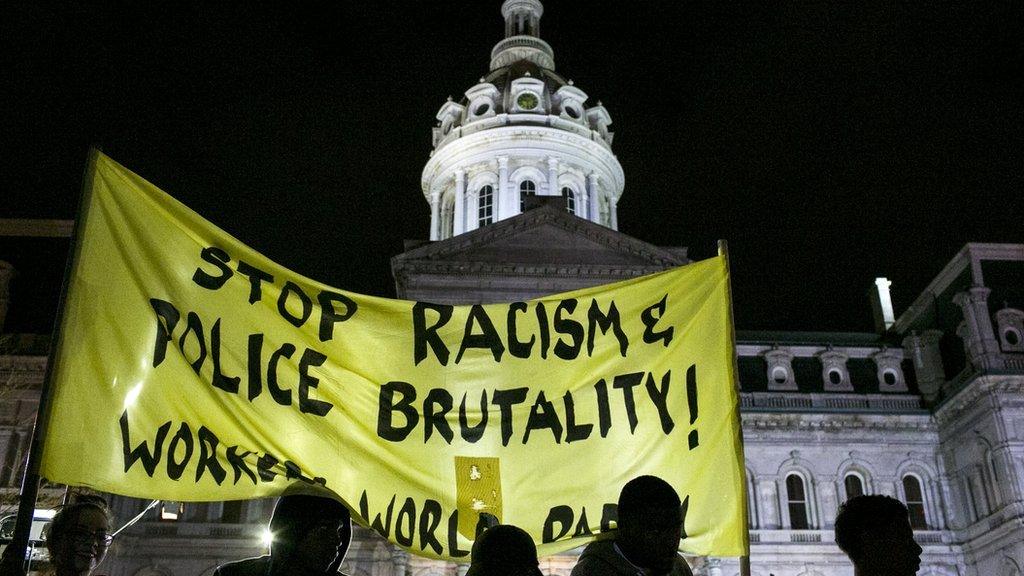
(485, 206)
(854, 486)
(915, 502)
(570, 199)
(526, 188)
(796, 494)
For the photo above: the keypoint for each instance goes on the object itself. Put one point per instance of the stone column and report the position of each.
(829, 502)
(593, 210)
(553, 177)
(981, 343)
(1009, 484)
(6, 274)
(950, 516)
(472, 209)
(923, 350)
(459, 216)
(782, 502)
(435, 215)
(976, 485)
(769, 500)
(613, 212)
(506, 205)
(933, 511)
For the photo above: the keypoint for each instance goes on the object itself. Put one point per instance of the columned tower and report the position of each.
(523, 130)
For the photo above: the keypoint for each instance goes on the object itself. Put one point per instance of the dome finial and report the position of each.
(522, 17)
(522, 36)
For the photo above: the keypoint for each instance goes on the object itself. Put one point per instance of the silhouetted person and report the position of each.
(875, 533)
(650, 525)
(504, 550)
(311, 535)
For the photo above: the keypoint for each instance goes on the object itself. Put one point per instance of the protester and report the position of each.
(504, 550)
(311, 535)
(79, 535)
(77, 539)
(646, 543)
(875, 533)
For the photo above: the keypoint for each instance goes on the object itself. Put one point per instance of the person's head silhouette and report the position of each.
(311, 531)
(874, 531)
(309, 535)
(650, 523)
(504, 550)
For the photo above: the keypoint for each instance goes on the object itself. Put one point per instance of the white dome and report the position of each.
(522, 130)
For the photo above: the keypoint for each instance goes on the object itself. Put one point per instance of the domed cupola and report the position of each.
(522, 130)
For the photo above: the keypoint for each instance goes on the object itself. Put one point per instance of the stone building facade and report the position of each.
(523, 187)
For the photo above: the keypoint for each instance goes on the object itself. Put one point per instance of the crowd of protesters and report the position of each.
(312, 535)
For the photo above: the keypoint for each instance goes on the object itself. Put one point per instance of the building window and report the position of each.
(232, 512)
(570, 199)
(797, 497)
(854, 486)
(890, 378)
(526, 188)
(485, 206)
(171, 511)
(915, 502)
(780, 375)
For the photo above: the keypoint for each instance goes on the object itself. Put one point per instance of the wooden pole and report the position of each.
(723, 251)
(14, 558)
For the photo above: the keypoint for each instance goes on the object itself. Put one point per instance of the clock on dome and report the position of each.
(527, 101)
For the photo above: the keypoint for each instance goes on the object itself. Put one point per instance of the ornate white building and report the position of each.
(523, 130)
(523, 186)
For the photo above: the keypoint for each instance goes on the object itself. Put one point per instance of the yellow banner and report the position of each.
(193, 368)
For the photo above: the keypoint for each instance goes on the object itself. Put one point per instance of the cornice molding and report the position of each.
(449, 268)
(22, 372)
(518, 141)
(753, 422)
(966, 399)
(444, 249)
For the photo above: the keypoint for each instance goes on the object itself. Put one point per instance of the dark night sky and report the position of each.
(828, 141)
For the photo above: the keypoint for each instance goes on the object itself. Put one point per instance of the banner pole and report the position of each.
(13, 558)
(723, 251)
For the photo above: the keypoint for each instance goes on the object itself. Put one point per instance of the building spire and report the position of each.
(522, 17)
(522, 36)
